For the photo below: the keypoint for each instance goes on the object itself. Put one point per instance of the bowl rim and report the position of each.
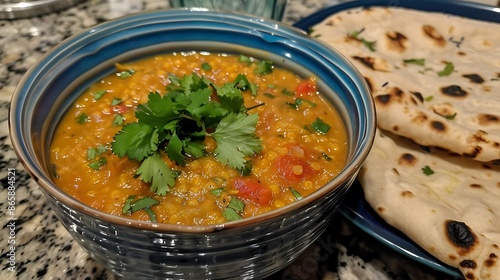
(256, 23)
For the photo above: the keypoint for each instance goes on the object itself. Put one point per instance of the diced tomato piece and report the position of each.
(252, 190)
(292, 168)
(305, 88)
(120, 108)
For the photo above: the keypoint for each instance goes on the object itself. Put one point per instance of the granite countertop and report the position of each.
(45, 250)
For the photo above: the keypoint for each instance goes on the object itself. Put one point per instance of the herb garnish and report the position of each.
(177, 123)
(126, 73)
(451, 117)
(233, 210)
(264, 67)
(427, 170)
(296, 194)
(320, 126)
(144, 203)
(368, 44)
(82, 118)
(116, 101)
(205, 66)
(416, 61)
(99, 94)
(448, 69)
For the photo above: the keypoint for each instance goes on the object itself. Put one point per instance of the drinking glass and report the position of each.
(273, 9)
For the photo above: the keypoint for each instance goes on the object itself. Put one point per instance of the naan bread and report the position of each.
(402, 54)
(454, 213)
(435, 80)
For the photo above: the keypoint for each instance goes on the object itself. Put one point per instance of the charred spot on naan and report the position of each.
(438, 126)
(474, 78)
(476, 186)
(488, 119)
(374, 63)
(407, 194)
(454, 91)
(468, 264)
(433, 35)
(407, 159)
(418, 95)
(460, 236)
(444, 109)
(393, 95)
(396, 41)
(491, 261)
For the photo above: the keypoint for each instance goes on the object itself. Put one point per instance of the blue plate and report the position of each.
(355, 207)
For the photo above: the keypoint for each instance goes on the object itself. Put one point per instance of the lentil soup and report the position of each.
(281, 144)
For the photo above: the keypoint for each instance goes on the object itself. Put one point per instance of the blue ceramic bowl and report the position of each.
(249, 248)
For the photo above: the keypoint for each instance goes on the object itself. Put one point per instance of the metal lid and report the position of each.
(12, 9)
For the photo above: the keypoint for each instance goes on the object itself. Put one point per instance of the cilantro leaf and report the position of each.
(264, 67)
(178, 122)
(235, 138)
(174, 150)
(231, 215)
(230, 96)
(144, 203)
(427, 170)
(416, 61)
(99, 94)
(157, 111)
(136, 140)
(448, 69)
(296, 194)
(155, 171)
(320, 126)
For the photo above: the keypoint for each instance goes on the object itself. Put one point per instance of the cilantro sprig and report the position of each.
(176, 124)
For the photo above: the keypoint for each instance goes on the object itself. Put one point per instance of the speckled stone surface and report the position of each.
(44, 249)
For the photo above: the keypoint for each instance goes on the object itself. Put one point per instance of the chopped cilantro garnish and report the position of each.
(287, 92)
(326, 157)
(53, 169)
(96, 165)
(299, 101)
(232, 211)
(144, 203)
(264, 67)
(205, 66)
(82, 118)
(368, 44)
(247, 169)
(427, 170)
(448, 69)
(125, 74)
(92, 153)
(451, 117)
(99, 94)
(116, 101)
(217, 192)
(118, 120)
(296, 194)
(429, 98)
(231, 215)
(178, 122)
(320, 126)
(245, 59)
(416, 61)
(269, 95)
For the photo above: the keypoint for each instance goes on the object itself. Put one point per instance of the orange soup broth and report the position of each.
(284, 131)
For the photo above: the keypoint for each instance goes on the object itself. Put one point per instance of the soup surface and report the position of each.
(115, 151)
